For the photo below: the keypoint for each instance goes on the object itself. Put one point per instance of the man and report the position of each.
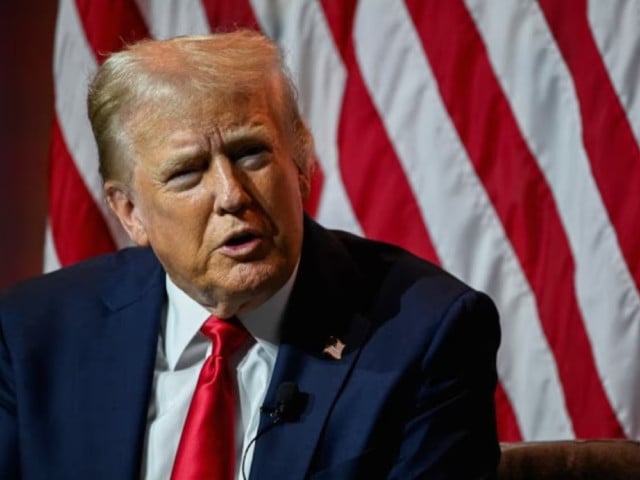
(387, 362)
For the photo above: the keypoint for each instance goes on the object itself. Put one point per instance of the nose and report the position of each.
(230, 193)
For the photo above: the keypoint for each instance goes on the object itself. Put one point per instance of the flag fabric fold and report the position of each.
(499, 140)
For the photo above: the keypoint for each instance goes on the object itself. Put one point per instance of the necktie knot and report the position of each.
(227, 335)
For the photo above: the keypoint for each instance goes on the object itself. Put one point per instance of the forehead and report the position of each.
(229, 113)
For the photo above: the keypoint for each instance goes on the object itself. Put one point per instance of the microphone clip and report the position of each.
(290, 403)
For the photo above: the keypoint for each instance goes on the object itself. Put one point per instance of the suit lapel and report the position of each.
(325, 303)
(116, 371)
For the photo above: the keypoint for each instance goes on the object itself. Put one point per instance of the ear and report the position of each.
(122, 203)
(304, 181)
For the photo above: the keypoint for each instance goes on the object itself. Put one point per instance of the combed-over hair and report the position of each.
(210, 66)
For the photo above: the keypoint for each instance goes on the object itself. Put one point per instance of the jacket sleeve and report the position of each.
(451, 432)
(8, 421)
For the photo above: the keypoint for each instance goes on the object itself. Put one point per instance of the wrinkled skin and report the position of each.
(216, 194)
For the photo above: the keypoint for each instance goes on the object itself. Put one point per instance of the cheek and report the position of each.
(176, 220)
(286, 199)
(288, 185)
(270, 188)
(287, 210)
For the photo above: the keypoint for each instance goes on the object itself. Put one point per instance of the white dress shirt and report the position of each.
(182, 350)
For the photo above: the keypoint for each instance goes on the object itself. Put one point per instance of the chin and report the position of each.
(241, 284)
(257, 279)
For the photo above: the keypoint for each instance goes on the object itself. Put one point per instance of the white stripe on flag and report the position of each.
(534, 77)
(51, 261)
(616, 28)
(174, 17)
(73, 66)
(457, 209)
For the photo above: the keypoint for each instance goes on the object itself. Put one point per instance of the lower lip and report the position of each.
(243, 249)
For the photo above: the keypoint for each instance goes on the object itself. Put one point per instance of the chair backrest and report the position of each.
(570, 460)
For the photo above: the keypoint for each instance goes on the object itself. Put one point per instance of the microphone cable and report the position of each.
(290, 403)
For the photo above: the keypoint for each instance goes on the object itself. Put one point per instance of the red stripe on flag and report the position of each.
(607, 135)
(110, 24)
(226, 15)
(508, 429)
(521, 198)
(79, 230)
(372, 175)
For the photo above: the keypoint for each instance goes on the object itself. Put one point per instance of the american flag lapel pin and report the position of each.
(334, 348)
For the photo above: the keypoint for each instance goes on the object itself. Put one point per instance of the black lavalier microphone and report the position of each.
(290, 403)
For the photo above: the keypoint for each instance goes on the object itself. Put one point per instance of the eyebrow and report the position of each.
(231, 138)
(245, 133)
(181, 157)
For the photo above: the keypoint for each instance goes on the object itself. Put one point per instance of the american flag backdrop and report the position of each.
(497, 138)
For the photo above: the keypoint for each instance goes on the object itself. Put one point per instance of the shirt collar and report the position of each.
(185, 316)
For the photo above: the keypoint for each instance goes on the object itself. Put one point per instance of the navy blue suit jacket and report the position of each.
(411, 397)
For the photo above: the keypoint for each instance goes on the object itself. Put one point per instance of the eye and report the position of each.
(252, 157)
(186, 176)
(183, 174)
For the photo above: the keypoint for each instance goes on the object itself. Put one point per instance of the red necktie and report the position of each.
(207, 446)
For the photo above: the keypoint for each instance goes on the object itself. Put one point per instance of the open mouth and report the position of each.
(240, 239)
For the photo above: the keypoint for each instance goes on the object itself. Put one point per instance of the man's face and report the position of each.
(217, 196)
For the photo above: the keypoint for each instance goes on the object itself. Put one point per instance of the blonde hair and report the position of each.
(235, 64)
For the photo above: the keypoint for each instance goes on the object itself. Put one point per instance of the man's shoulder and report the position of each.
(408, 300)
(83, 279)
(391, 275)
(396, 265)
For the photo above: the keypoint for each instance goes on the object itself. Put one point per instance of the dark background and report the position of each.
(26, 110)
